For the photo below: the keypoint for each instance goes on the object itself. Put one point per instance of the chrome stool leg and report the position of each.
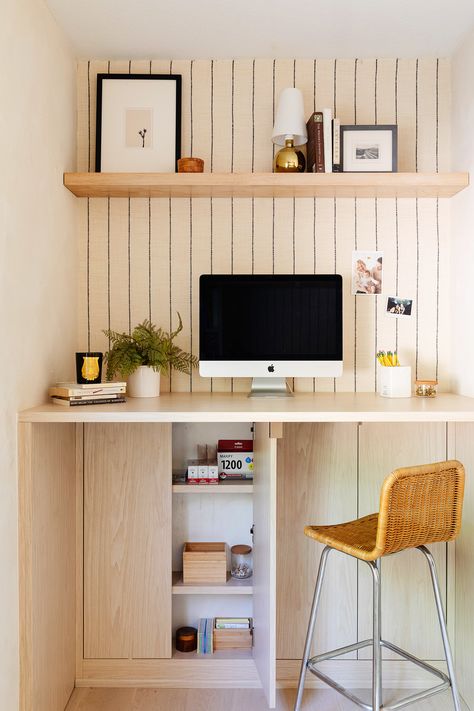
(312, 620)
(442, 624)
(376, 636)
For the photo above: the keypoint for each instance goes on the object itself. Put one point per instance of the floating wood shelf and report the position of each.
(231, 587)
(199, 185)
(235, 487)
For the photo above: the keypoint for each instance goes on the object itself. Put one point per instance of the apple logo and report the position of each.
(271, 368)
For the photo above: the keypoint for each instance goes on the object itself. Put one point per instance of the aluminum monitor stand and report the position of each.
(270, 387)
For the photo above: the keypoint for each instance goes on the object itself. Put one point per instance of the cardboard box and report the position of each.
(204, 563)
(235, 458)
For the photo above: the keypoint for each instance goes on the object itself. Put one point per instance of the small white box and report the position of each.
(213, 473)
(395, 382)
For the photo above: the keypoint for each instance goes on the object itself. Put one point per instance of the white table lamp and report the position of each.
(289, 131)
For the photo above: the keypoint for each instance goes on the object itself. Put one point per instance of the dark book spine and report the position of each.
(315, 145)
(104, 401)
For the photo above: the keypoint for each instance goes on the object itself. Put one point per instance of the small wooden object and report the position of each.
(186, 639)
(190, 165)
(232, 639)
(204, 563)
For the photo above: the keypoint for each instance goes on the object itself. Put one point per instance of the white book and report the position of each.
(327, 136)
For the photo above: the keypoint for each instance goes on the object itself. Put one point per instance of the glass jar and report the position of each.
(241, 562)
(426, 388)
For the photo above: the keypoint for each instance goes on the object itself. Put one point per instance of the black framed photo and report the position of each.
(369, 149)
(138, 123)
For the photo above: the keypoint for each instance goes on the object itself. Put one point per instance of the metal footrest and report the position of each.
(311, 666)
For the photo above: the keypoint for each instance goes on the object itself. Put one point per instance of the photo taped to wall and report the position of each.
(367, 272)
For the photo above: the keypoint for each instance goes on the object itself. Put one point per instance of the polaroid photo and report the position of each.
(367, 272)
(398, 307)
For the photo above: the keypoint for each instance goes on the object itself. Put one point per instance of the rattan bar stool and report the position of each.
(418, 505)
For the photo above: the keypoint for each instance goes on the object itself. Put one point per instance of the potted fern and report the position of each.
(143, 355)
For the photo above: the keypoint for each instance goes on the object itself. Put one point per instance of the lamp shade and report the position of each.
(289, 118)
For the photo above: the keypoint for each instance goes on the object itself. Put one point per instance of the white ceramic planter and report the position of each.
(144, 382)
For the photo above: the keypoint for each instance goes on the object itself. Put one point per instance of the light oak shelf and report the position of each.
(248, 185)
(231, 587)
(220, 488)
(220, 654)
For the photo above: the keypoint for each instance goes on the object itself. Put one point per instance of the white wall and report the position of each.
(37, 259)
(462, 266)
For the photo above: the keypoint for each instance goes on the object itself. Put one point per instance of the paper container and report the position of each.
(395, 382)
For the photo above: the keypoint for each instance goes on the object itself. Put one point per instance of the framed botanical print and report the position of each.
(138, 123)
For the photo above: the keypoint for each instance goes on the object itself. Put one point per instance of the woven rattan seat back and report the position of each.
(420, 505)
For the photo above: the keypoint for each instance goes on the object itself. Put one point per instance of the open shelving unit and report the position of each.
(248, 185)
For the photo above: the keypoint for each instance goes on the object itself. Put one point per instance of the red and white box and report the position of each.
(200, 472)
(235, 458)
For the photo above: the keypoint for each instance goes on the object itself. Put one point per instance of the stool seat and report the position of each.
(356, 538)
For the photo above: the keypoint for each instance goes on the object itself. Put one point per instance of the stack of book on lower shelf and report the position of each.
(71, 394)
(205, 637)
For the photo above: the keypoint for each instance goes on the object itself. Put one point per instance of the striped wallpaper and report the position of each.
(141, 258)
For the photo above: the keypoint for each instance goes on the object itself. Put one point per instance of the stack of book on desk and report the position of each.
(71, 394)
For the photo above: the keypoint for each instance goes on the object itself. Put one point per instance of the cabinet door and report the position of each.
(264, 559)
(127, 541)
(409, 615)
(317, 484)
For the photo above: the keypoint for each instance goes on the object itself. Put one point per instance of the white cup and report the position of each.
(395, 381)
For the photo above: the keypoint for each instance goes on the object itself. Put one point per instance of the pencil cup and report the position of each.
(395, 382)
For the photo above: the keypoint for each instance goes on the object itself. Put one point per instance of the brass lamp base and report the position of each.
(289, 159)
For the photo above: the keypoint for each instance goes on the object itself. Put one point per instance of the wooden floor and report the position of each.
(226, 700)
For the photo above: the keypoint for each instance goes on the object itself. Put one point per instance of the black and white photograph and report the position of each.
(369, 149)
(138, 123)
(367, 269)
(398, 307)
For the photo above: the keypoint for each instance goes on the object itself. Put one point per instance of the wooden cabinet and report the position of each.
(127, 541)
(407, 597)
(317, 483)
(330, 473)
(96, 533)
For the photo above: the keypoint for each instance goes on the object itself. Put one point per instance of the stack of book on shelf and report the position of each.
(71, 394)
(205, 637)
(323, 149)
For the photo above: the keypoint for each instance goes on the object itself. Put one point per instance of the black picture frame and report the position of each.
(119, 133)
(381, 157)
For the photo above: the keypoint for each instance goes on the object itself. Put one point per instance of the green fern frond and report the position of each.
(147, 345)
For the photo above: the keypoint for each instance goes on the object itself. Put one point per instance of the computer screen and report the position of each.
(271, 325)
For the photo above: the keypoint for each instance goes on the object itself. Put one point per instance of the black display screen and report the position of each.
(270, 317)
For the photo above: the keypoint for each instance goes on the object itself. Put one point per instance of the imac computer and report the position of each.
(270, 327)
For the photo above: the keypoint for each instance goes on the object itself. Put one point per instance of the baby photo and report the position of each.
(367, 272)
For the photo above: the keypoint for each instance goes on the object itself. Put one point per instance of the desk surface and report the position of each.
(237, 407)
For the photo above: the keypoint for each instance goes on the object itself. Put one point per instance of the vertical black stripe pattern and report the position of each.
(273, 199)
(437, 115)
(416, 117)
(376, 230)
(149, 248)
(437, 288)
(253, 166)
(417, 285)
(355, 301)
(129, 252)
(88, 208)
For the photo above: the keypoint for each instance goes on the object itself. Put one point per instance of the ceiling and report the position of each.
(113, 29)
